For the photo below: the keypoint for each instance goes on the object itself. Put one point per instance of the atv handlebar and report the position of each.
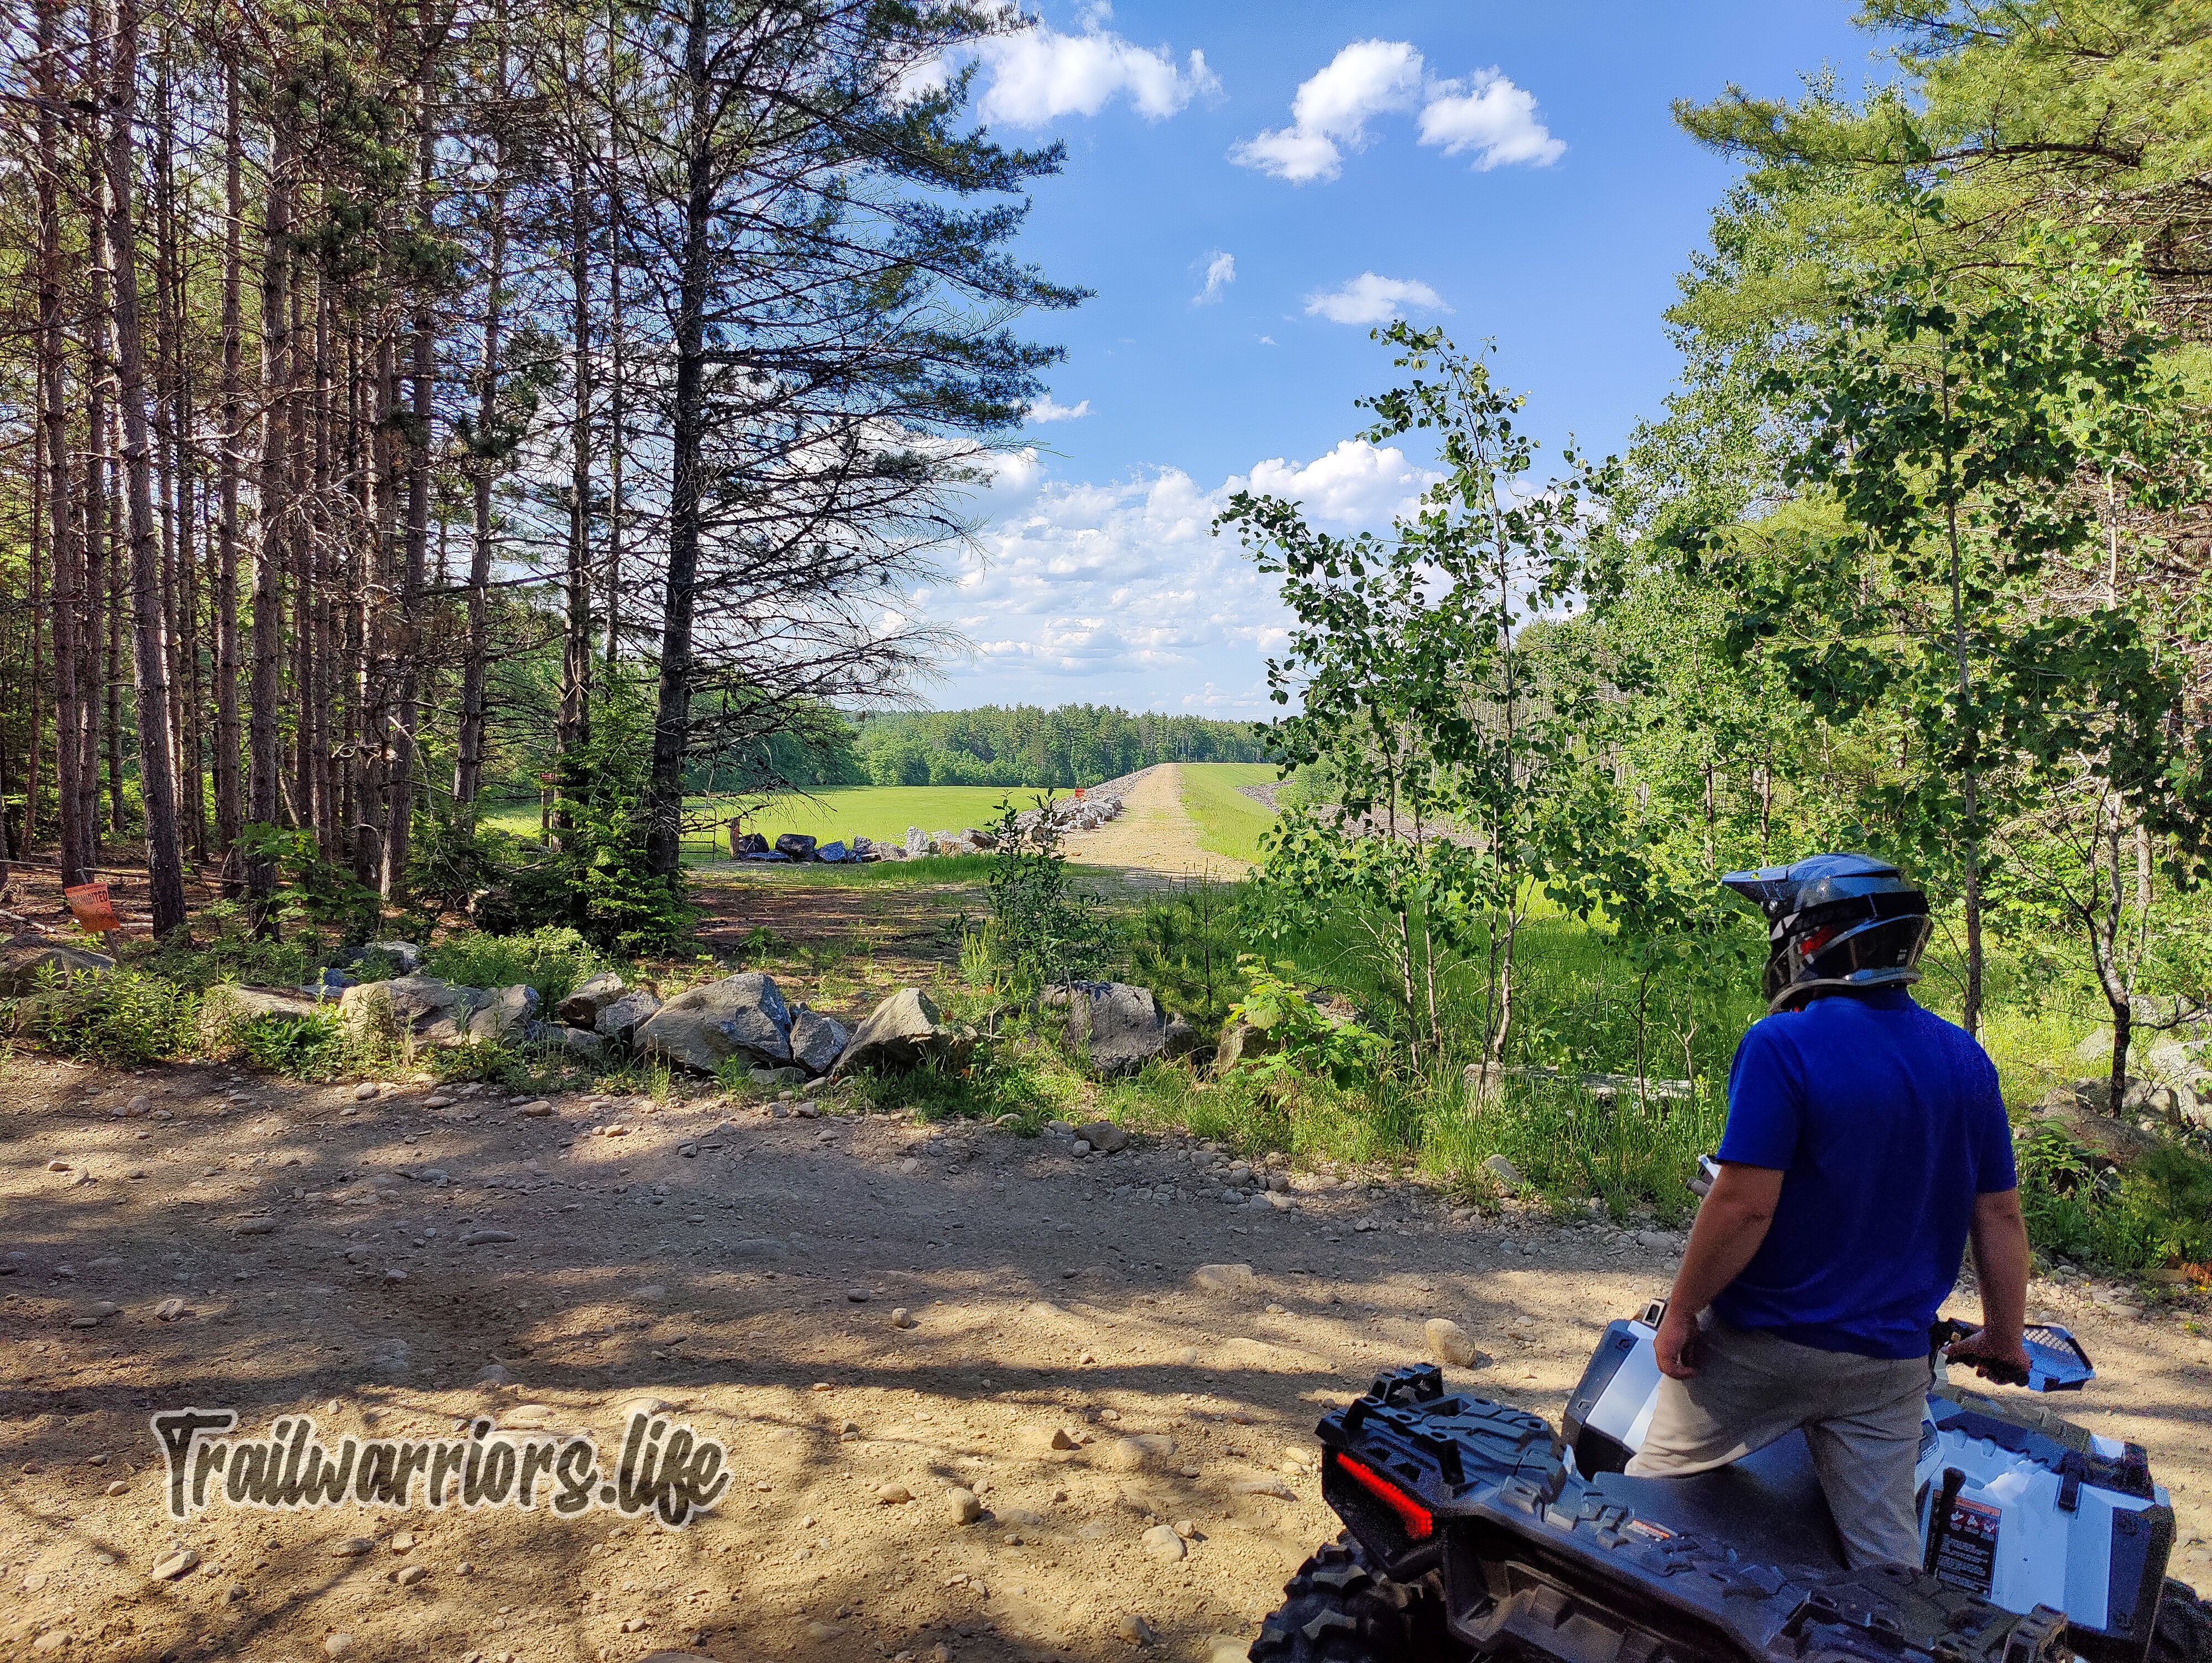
(2056, 1361)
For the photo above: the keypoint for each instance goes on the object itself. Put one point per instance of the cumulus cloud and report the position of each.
(1034, 75)
(1494, 118)
(1221, 272)
(1358, 484)
(1485, 113)
(1369, 299)
(1046, 408)
(1367, 79)
(1119, 592)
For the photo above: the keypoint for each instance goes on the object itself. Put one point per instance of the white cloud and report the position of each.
(1368, 298)
(1358, 484)
(1485, 113)
(1047, 409)
(1037, 74)
(1221, 272)
(1494, 118)
(1118, 592)
(1367, 79)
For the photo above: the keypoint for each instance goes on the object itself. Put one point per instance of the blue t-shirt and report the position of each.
(1886, 1122)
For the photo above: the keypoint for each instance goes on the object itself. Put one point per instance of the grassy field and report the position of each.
(881, 812)
(1229, 822)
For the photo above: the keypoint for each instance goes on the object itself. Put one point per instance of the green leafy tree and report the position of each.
(1970, 441)
(1462, 766)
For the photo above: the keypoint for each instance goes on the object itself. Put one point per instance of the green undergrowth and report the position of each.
(927, 872)
(552, 959)
(1564, 1145)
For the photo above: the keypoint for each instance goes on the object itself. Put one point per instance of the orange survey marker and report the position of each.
(94, 910)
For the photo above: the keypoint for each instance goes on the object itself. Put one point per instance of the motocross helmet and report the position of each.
(1842, 923)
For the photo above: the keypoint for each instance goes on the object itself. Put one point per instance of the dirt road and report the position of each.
(1153, 840)
(399, 1265)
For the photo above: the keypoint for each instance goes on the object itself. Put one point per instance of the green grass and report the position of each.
(963, 870)
(1229, 822)
(881, 812)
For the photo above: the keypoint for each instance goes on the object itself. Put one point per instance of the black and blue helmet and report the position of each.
(1836, 923)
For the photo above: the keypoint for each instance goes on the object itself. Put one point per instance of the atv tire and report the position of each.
(2184, 1631)
(1339, 1609)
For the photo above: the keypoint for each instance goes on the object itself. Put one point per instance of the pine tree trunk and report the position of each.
(64, 554)
(164, 852)
(100, 715)
(574, 723)
(229, 806)
(400, 799)
(468, 762)
(271, 509)
(616, 354)
(671, 719)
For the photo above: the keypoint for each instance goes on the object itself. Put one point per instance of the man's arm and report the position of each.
(1730, 1225)
(1999, 1236)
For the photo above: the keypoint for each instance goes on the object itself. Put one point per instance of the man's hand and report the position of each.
(1676, 1344)
(1994, 1355)
(1730, 1225)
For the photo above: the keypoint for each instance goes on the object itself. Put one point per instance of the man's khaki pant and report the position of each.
(1861, 1416)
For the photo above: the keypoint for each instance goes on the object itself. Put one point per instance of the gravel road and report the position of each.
(1099, 1399)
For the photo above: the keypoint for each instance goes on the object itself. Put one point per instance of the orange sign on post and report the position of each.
(90, 904)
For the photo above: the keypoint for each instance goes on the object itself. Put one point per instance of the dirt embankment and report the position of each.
(397, 1266)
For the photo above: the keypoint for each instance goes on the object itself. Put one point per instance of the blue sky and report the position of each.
(1246, 214)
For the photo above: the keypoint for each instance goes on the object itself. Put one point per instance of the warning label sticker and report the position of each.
(1968, 1557)
(1650, 1531)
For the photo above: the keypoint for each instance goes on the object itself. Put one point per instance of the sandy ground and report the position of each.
(1153, 838)
(319, 1266)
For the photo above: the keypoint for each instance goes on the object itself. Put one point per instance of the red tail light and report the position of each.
(1420, 1524)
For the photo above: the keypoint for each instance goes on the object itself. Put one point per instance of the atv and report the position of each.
(1474, 1530)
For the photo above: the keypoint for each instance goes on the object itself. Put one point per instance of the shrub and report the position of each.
(2159, 1209)
(309, 890)
(316, 1048)
(597, 877)
(1305, 1038)
(552, 959)
(1043, 929)
(125, 1017)
(233, 955)
(1004, 1077)
(1185, 949)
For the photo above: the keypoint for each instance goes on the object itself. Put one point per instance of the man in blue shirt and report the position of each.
(1866, 1146)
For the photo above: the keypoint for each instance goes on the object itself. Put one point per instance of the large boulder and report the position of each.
(795, 845)
(917, 842)
(228, 1007)
(23, 958)
(405, 955)
(433, 1011)
(580, 1043)
(1241, 1040)
(817, 1040)
(621, 1020)
(901, 1033)
(591, 996)
(741, 1014)
(1119, 1026)
(506, 1013)
(832, 853)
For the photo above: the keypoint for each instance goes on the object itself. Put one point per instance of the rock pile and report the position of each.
(1063, 815)
(744, 1017)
